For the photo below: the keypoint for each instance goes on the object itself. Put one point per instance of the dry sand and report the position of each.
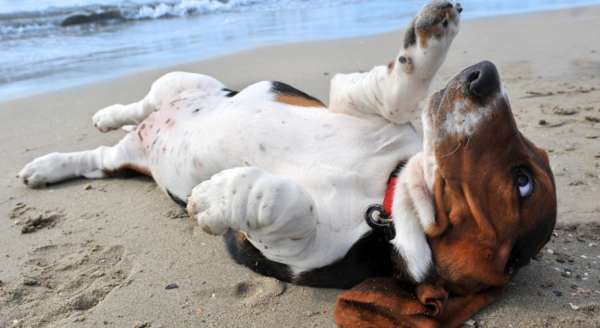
(102, 253)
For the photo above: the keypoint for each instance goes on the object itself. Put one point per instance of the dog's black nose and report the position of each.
(482, 80)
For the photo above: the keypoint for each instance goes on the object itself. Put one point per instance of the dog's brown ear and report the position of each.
(383, 303)
(441, 219)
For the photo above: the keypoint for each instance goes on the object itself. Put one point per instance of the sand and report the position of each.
(119, 253)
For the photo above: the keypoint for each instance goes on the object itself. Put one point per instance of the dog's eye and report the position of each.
(445, 23)
(402, 60)
(524, 182)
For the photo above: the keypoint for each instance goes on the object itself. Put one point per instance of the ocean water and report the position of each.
(51, 44)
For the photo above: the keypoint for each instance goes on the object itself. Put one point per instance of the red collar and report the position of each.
(379, 217)
(388, 200)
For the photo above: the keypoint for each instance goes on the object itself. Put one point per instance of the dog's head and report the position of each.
(494, 191)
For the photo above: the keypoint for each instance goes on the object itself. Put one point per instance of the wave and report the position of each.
(53, 18)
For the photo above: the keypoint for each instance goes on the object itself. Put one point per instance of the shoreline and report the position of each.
(112, 246)
(169, 66)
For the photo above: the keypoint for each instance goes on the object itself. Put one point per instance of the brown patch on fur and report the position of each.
(298, 101)
(426, 35)
(128, 169)
(287, 94)
(137, 168)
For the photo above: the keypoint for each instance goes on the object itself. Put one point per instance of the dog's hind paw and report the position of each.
(41, 171)
(106, 119)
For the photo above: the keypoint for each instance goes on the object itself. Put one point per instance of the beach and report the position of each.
(119, 253)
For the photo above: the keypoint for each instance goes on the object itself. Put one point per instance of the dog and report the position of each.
(294, 186)
(284, 178)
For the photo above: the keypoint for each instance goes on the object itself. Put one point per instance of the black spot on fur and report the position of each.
(230, 93)
(410, 38)
(281, 88)
(176, 199)
(370, 257)
(244, 253)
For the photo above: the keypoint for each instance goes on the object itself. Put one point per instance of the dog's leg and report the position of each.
(277, 215)
(395, 91)
(166, 89)
(92, 164)
(413, 215)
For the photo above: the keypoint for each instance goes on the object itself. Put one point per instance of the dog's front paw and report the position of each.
(247, 199)
(41, 171)
(106, 119)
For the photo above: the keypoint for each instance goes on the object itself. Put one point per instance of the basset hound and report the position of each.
(291, 183)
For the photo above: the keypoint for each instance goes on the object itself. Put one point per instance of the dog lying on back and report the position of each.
(288, 181)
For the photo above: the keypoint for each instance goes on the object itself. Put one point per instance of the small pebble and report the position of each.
(172, 286)
(88, 187)
(143, 325)
(574, 307)
(30, 282)
(557, 293)
(471, 323)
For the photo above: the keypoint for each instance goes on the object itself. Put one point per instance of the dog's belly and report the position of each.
(342, 161)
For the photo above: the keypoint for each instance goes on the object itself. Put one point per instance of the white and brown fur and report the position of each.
(284, 178)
